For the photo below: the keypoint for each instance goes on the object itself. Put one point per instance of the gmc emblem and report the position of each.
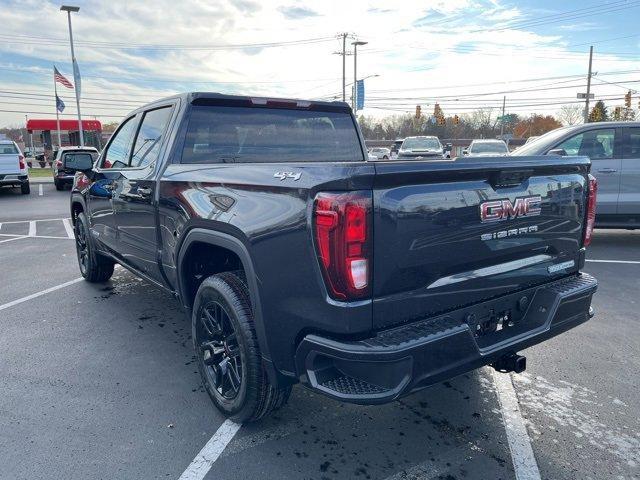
(498, 210)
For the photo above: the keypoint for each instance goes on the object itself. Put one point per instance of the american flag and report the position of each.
(58, 77)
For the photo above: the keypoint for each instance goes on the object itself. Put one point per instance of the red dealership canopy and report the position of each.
(46, 124)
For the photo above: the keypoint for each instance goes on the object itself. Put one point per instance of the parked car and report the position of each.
(297, 260)
(421, 148)
(486, 148)
(65, 160)
(614, 149)
(380, 153)
(13, 168)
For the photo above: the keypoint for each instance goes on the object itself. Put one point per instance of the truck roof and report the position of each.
(222, 99)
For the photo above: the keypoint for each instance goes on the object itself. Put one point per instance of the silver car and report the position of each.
(380, 153)
(421, 148)
(486, 148)
(614, 150)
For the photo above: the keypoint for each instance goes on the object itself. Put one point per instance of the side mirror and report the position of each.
(79, 162)
(557, 151)
(465, 152)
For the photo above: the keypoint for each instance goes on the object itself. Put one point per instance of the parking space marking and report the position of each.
(36, 220)
(630, 262)
(40, 192)
(17, 237)
(39, 294)
(32, 229)
(205, 459)
(67, 227)
(524, 462)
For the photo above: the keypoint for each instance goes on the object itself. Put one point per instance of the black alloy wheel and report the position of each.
(219, 351)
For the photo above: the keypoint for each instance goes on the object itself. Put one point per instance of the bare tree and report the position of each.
(570, 114)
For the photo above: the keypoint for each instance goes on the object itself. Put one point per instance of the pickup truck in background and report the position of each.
(13, 168)
(297, 260)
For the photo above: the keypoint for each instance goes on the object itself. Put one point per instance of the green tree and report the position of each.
(599, 112)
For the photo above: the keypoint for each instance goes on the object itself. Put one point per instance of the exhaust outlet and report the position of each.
(511, 362)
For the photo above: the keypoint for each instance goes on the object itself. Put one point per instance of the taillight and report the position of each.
(21, 162)
(342, 224)
(591, 209)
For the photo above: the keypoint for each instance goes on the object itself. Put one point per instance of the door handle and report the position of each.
(607, 170)
(144, 191)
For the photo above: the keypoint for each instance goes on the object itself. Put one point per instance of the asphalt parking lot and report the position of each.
(99, 381)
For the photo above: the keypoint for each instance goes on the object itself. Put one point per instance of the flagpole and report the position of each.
(55, 91)
(76, 72)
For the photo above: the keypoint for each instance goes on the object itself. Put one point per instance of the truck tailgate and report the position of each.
(9, 163)
(456, 232)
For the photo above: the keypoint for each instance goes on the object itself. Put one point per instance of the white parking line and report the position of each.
(17, 237)
(524, 462)
(13, 235)
(36, 220)
(40, 192)
(32, 229)
(39, 294)
(203, 462)
(67, 227)
(630, 262)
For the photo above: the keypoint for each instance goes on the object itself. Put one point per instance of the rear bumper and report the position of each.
(64, 178)
(404, 359)
(13, 179)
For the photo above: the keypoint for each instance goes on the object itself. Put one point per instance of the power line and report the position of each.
(38, 40)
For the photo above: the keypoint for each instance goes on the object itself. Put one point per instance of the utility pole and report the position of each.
(344, 62)
(504, 100)
(586, 101)
(76, 73)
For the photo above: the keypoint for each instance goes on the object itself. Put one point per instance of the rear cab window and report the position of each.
(223, 134)
(8, 149)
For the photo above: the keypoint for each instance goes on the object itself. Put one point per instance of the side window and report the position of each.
(595, 144)
(117, 153)
(150, 134)
(572, 145)
(632, 147)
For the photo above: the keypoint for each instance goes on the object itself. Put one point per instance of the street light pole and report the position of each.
(69, 9)
(355, 72)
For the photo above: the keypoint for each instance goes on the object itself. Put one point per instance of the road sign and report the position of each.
(584, 95)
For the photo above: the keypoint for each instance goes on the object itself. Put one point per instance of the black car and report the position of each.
(65, 159)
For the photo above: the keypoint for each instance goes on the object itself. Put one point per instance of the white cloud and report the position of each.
(442, 43)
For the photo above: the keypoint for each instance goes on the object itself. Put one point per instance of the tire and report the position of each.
(385, 158)
(94, 267)
(226, 346)
(59, 186)
(25, 188)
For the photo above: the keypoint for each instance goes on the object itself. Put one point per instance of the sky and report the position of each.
(464, 54)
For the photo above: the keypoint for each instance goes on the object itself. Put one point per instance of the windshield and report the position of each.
(488, 147)
(8, 149)
(534, 147)
(421, 144)
(245, 134)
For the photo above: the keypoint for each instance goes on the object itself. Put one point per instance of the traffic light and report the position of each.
(456, 119)
(617, 113)
(627, 99)
(418, 111)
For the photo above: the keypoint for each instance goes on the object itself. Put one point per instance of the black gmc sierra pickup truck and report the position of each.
(297, 260)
